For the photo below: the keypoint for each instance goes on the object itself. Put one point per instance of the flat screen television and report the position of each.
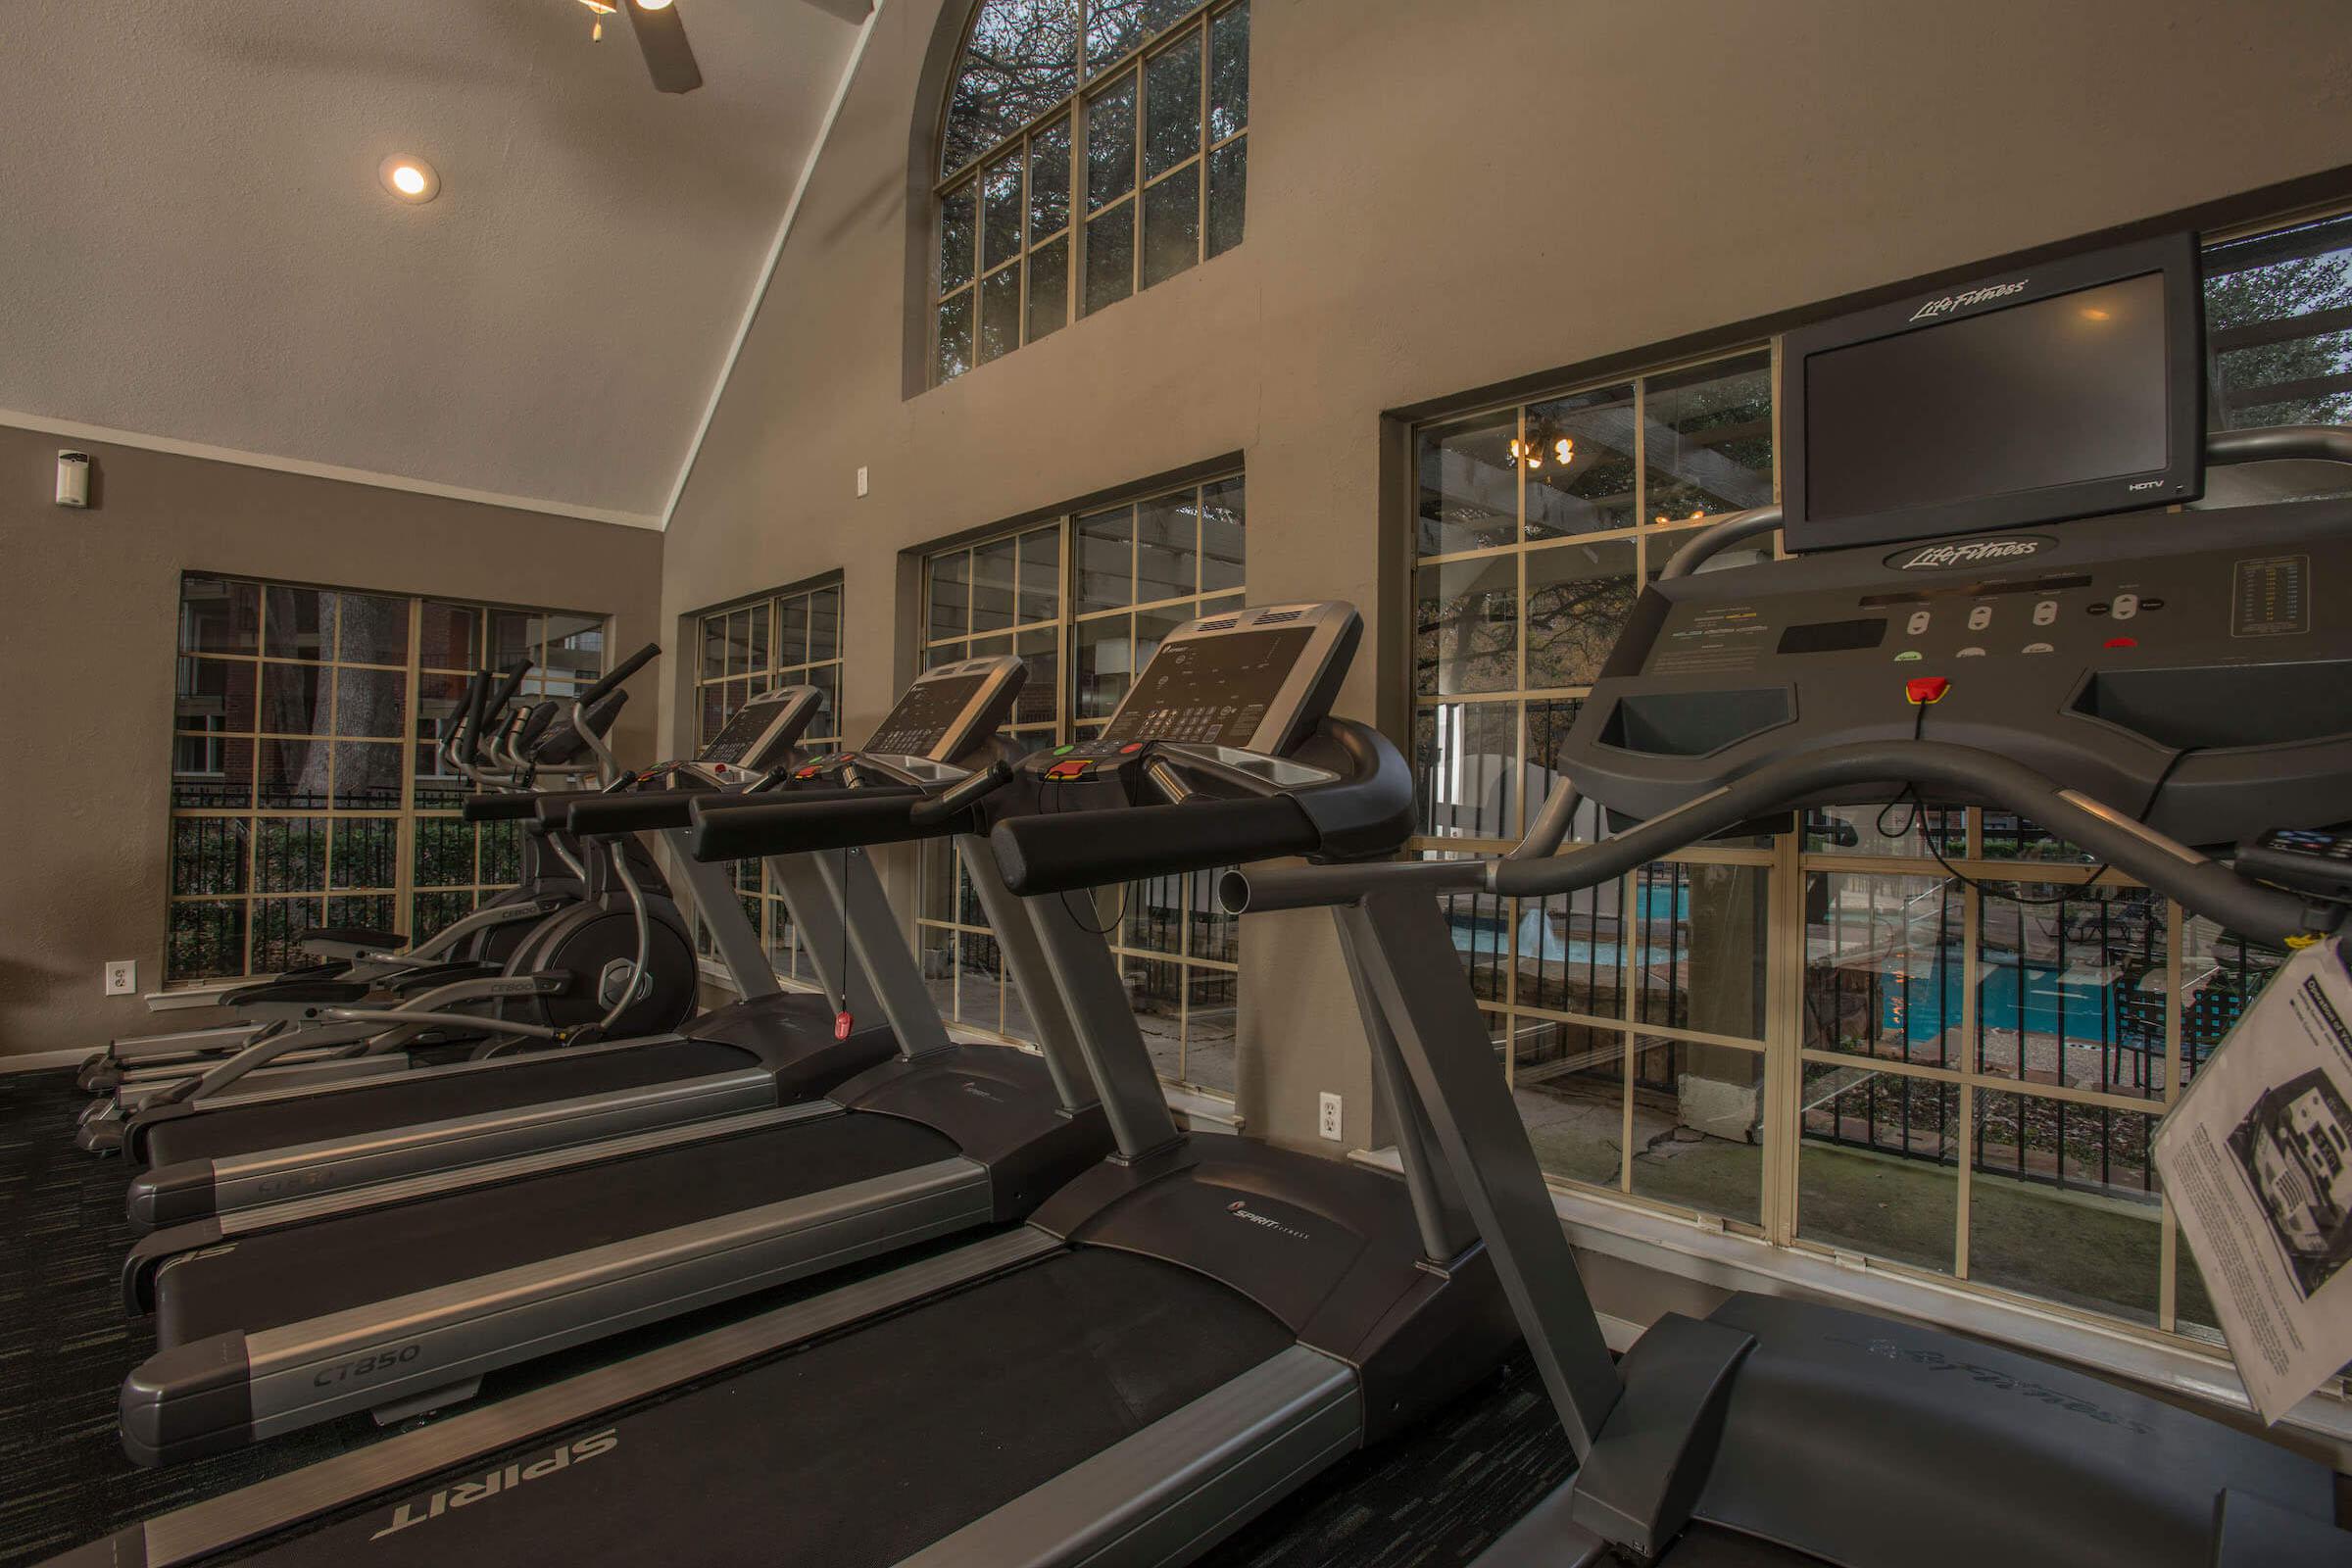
(2063, 389)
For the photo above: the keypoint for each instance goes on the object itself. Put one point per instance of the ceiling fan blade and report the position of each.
(669, 58)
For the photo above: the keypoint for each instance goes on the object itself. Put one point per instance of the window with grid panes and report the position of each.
(1999, 1051)
(306, 788)
(1085, 601)
(1091, 148)
(791, 637)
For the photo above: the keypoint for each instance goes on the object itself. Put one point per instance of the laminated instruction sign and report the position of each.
(2258, 1159)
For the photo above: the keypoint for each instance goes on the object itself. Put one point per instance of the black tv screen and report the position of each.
(2061, 391)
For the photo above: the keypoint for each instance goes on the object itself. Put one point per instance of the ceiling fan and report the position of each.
(660, 37)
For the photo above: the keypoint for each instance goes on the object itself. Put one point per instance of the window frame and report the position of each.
(961, 923)
(764, 904)
(1069, 111)
(1975, 1066)
(423, 797)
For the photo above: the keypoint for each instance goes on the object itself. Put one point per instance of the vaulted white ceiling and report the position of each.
(194, 246)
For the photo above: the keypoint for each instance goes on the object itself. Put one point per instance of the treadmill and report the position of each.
(398, 1297)
(228, 1154)
(2134, 684)
(1180, 1337)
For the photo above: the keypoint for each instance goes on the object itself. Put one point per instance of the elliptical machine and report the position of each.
(549, 878)
(615, 958)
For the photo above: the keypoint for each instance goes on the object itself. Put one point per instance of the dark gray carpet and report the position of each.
(1434, 1495)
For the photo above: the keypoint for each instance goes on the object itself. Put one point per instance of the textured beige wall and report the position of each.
(1445, 196)
(88, 612)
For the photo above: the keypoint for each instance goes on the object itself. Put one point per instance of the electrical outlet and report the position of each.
(1329, 1125)
(862, 484)
(121, 977)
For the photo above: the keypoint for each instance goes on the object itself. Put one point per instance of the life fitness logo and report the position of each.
(1961, 302)
(1969, 553)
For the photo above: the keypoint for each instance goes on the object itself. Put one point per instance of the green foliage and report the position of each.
(2276, 291)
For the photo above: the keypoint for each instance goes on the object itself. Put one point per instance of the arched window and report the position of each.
(1090, 148)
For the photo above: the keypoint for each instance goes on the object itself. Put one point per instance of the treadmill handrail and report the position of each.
(2311, 443)
(2198, 883)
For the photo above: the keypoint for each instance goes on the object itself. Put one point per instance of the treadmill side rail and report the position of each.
(267, 1176)
(395, 1349)
(237, 1518)
(1184, 1482)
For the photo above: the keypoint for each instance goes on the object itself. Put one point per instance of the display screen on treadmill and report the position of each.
(1213, 690)
(750, 723)
(2061, 391)
(920, 723)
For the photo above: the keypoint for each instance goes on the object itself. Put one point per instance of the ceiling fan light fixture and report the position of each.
(408, 179)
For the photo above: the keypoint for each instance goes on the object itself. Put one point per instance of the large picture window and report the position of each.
(790, 637)
(1090, 148)
(1940, 1041)
(1085, 601)
(306, 788)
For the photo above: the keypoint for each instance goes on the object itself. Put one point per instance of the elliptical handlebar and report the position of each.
(619, 673)
(457, 748)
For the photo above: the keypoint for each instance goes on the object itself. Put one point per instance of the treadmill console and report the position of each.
(2170, 664)
(762, 731)
(1248, 684)
(944, 714)
(2313, 861)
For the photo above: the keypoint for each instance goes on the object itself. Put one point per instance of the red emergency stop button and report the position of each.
(2121, 642)
(1920, 690)
(1131, 748)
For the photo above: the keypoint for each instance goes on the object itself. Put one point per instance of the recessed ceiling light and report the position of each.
(410, 180)
(652, 5)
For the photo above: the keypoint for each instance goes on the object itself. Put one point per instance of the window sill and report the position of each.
(1731, 1261)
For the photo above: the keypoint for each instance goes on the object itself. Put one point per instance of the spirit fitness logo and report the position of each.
(491, 1483)
(1264, 1221)
(1961, 302)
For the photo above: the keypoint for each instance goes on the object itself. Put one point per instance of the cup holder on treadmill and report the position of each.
(2223, 706)
(1693, 723)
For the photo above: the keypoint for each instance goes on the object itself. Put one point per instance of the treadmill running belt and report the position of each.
(279, 1277)
(391, 1102)
(849, 1453)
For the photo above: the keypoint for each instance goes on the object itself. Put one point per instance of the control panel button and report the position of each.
(2151, 604)
(2121, 642)
(2099, 609)
(1980, 617)
(1064, 750)
(1909, 656)
(1920, 690)
(1970, 652)
(2045, 613)
(1131, 748)
(2125, 606)
(2038, 648)
(1918, 622)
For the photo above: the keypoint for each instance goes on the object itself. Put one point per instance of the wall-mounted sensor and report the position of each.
(72, 478)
